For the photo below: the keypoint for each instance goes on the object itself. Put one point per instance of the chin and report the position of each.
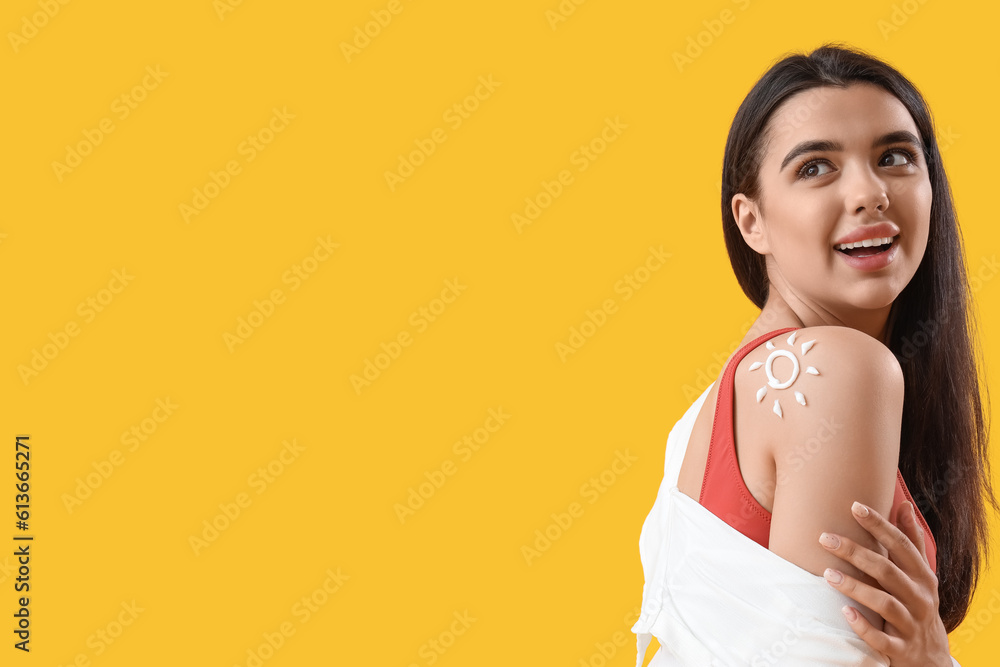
(871, 299)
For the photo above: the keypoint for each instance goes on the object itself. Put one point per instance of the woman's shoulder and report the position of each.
(822, 371)
(832, 420)
(848, 353)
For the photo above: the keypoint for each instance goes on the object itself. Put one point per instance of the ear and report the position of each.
(748, 219)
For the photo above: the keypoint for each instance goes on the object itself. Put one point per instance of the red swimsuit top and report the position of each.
(725, 494)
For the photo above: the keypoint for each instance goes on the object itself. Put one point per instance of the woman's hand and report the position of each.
(913, 632)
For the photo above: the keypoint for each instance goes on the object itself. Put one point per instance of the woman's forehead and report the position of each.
(856, 114)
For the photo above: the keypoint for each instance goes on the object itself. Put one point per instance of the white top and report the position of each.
(713, 596)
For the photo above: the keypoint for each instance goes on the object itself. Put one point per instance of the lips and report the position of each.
(866, 247)
(871, 258)
(877, 230)
(869, 247)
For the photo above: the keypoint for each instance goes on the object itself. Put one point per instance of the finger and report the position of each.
(877, 639)
(882, 603)
(902, 549)
(888, 575)
(912, 529)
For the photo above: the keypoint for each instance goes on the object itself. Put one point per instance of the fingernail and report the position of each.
(849, 613)
(859, 509)
(833, 576)
(829, 541)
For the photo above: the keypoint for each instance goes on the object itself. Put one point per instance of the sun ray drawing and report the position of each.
(773, 382)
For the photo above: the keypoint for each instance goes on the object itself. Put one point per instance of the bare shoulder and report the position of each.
(828, 400)
(835, 370)
(851, 351)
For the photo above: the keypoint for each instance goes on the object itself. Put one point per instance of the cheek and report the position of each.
(804, 227)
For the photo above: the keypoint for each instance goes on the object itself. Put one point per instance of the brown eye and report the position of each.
(899, 151)
(811, 169)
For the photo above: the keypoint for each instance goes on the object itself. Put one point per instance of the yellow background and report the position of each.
(493, 347)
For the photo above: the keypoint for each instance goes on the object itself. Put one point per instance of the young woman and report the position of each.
(857, 386)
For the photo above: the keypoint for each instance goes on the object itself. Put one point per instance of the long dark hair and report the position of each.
(945, 432)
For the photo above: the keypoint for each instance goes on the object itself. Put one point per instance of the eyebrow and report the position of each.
(899, 136)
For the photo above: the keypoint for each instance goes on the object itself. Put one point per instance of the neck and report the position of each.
(783, 310)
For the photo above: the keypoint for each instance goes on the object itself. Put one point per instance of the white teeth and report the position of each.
(867, 243)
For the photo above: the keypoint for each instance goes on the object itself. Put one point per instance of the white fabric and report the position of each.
(713, 596)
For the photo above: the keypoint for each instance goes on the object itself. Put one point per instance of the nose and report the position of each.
(867, 191)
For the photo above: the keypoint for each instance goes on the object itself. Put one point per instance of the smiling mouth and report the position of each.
(875, 246)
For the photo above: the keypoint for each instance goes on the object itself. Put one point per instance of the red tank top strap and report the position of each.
(723, 490)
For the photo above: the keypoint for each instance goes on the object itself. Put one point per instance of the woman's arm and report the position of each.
(841, 446)
(907, 599)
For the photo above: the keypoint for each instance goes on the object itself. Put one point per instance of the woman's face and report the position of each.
(841, 165)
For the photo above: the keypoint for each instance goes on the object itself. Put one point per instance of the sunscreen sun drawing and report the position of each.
(773, 382)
